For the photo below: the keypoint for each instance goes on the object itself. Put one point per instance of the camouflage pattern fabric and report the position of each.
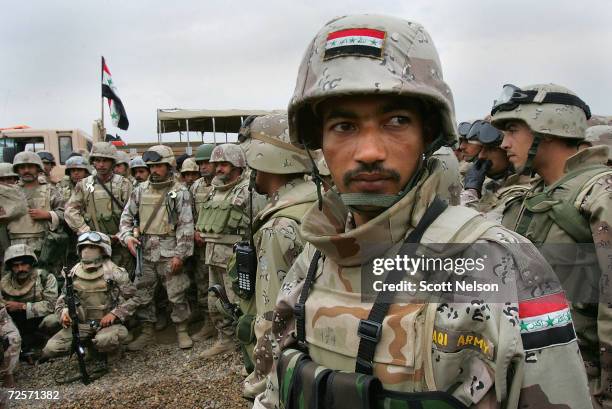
(11, 354)
(200, 190)
(39, 292)
(450, 186)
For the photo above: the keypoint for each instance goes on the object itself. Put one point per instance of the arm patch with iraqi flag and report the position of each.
(356, 42)
(546, 321)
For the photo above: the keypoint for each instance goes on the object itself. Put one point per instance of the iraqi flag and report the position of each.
(109, 91)
(356, 42)
(546, 321)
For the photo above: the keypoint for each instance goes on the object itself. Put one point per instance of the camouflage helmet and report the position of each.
(6, 170)
(103, 150)
(122, 157)
(46, 156)
(190, 165)
(137, 162)
(17, 251)
(95, 238)
(77, 162)
(27, 158)
(271, 150)
(158, 154)
(229, 152)
(600, 135)
(204, 151)
(386, 55)
(547, 109)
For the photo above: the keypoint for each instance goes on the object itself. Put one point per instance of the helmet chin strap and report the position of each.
(527, 168)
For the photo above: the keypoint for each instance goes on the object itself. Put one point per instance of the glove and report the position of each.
(475, 176)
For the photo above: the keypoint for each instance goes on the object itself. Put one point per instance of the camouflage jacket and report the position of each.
(450, 184)
(494, 192)
(593, 202)
(480, 352)
(39, 292)
(118, 295)
(89, 202)
(180, 243)
(66, 187)
(200, 190)
(9, 331)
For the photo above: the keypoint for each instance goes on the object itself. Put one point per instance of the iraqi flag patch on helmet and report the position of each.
(546, 321)
(357, 42)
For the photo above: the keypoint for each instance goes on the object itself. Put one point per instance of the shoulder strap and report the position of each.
(300, 316)
(158, 205)
(113, 198)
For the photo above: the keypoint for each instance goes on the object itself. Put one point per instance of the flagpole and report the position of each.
(102, 98)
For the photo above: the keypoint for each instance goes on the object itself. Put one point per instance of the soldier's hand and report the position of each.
(199, 241)
(475, 176)
(39, 214)
(15, 306)
(108, 320)
(131, 244)
(176, 265)
(65, 319)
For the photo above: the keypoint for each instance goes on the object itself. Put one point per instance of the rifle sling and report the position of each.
(113, 198)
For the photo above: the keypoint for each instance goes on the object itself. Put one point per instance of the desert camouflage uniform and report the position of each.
(66, 187)
(12, 206)
(105, 290)
(162, 242)
(9, 331)
(39, 292)
(451, 183)
(90, 208)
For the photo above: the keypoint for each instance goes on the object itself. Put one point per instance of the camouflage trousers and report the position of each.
(104, 340)
(123, 258)
(159, 273)
(200, 277)
(226, 327)
(9, 331)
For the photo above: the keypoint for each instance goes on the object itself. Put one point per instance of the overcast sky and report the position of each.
(245, 54)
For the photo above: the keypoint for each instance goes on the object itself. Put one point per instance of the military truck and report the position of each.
(60, 142)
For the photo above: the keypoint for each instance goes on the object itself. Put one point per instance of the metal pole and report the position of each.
(188, 150)
(158, 127)
(102, 98)
(214, 131)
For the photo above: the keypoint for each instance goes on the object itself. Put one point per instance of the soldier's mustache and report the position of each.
(375, 167)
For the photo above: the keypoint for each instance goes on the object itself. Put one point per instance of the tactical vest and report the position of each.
(92, 290)
(556, 204)
(201, 193)
(25, 226)
(149, 200)
(101, 212)
(220, 216)
(30, 291)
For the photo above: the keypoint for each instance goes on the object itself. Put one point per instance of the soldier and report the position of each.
(379, 109)
(190, 171)
(162, 208)
(11, 340)
(598, 135)
(98, 200)
(200, 190)
(7, 175)
(139, 171)
(48, 161)
(12, 205)
(104, 291)
(122, 164)
(77, 169)
(29, 295)
(468, 149)
(569, 204)
(45, 213)
(280, 169)
(223, 221)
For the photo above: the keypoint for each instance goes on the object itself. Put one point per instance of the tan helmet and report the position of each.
(77, 162)
(548, 109)
(103, 150)
(27, 158)
(190, 165)
(95, 238)
(271, 150)
(600, 135)
(229, 152)
(159, 154)
(369, 54)
(122, 157)
(137, 162)
(6, 170)
(18, 251)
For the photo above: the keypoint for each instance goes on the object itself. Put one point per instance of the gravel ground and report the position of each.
(163, 376)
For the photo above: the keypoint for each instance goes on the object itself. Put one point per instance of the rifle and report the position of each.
(230, 308)
(138, 236)
(77, 344)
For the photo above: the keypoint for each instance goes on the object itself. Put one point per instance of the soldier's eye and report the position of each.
(343, 127)
(398, 121)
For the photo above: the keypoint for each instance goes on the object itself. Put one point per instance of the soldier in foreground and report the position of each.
(570, 205)
(11, 341)
(280, 169)
(379, 109)
(103, 290)
(160, 209)
(29, 295)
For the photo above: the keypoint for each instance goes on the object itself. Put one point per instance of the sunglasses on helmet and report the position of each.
(485, 133)
(46, 157)
(151, 156)
(91, 236)
(464, 129)
(512, 96)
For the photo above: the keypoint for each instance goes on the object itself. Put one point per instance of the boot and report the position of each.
(208, 330)
(184, 342)
(143, 340)
(129, 338)
(9, 381)
(162, 321)
(222, 346)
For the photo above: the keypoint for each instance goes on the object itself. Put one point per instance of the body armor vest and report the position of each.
(92, 290)
(219, 216)
(149, 198)
(100, 206)
(30, 291)
(25, 226)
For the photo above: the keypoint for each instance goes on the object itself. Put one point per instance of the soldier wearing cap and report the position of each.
(122, 165)
(162, 208)
(45, 209)
(97, 201)
(139, 170)
(48, 161)
(567, 209)
(279, 168)
(29, 295)
(200, 190)
(104, 292)
(378, 107)
(222, 222)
